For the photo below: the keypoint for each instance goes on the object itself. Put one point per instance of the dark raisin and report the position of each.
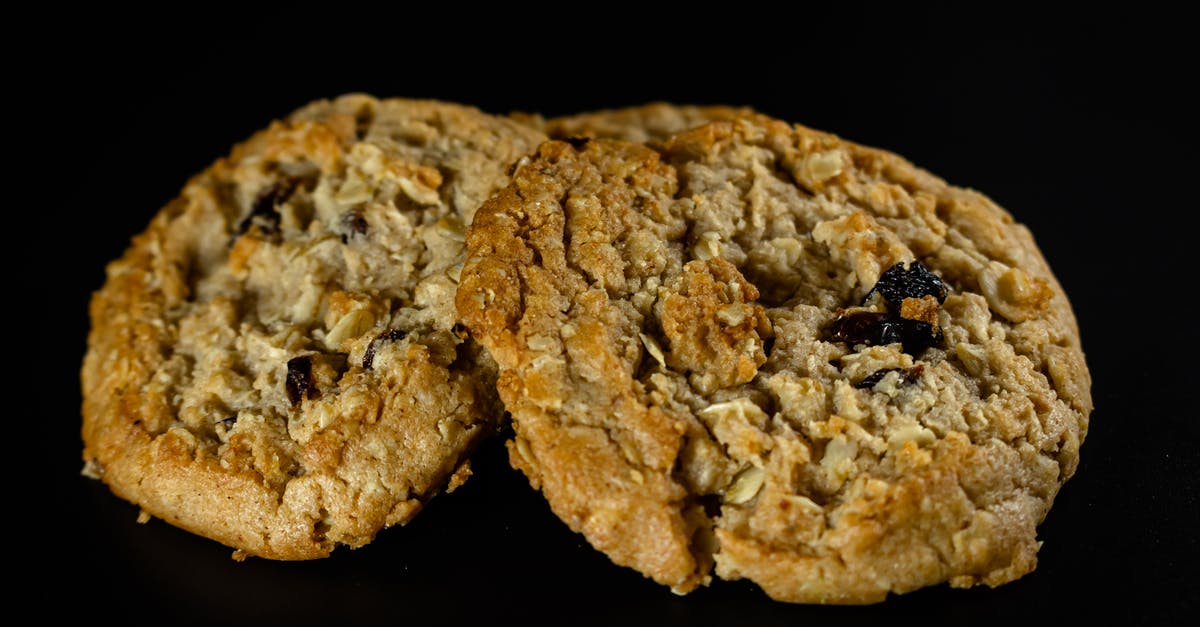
(870, 380)
(910, 375)
(877, 329)
(578, 143)
(354, 223)
(391, 335)
(857, 328)
(898, 283)
(300, 383)
(914, 335)
(369, 355)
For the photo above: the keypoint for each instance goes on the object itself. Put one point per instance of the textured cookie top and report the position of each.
(651, 122)
(274, 362)
(723, 350)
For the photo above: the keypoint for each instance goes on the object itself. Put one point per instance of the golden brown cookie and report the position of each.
(274, 362)
(765, 349)
(651, 122)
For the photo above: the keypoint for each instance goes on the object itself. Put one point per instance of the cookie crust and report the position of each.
(651, 122)
(274, 362)
(661, 316)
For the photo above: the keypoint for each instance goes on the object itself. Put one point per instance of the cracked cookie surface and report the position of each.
(720, 353)
(274, 363)
(650, 122)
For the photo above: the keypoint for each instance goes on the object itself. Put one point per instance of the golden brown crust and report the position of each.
(651, 122)
(662, 321)
(272, 363)
(605, 480)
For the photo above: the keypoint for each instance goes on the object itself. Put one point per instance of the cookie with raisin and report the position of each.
(274, 362)
(760, 350)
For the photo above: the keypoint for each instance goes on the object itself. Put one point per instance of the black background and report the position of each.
(1079, 125)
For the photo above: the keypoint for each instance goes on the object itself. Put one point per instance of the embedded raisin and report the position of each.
(870, 380)
(392, 335)
(877, 329)
(898, 283)
(354, 223)
(910, 375)
(857, 328)
(300, 383)
(895, 285)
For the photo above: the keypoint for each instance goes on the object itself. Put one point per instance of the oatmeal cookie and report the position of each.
(274, 363)
(651, 122)
(763, 350)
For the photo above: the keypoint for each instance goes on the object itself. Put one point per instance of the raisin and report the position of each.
(898, 283)
(876, 329)
(870, 380)
(354, 223)
(857, 328)
(393, 335)
(895, 285)
(300, 383)
(910, 375)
